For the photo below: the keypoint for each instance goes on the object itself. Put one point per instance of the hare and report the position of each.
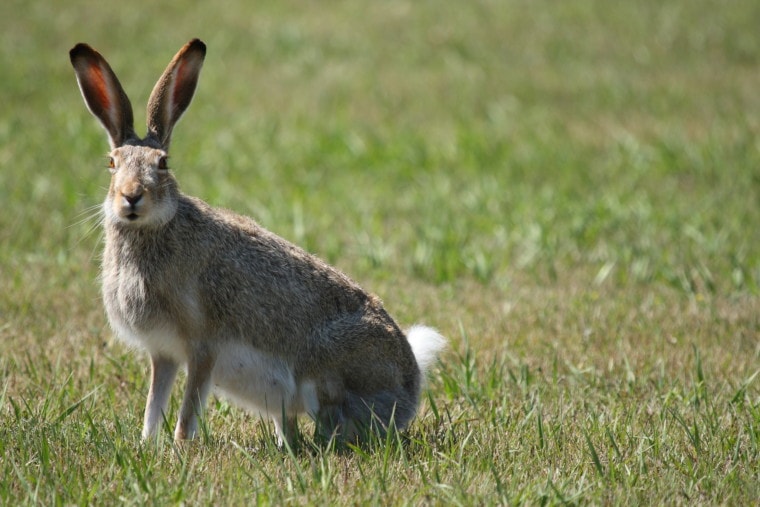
(243, 311)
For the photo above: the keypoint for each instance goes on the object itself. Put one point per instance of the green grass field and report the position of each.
(569, 191)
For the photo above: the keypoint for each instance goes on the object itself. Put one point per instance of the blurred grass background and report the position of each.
(568, 190)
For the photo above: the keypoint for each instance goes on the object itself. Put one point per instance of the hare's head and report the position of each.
(142, 191)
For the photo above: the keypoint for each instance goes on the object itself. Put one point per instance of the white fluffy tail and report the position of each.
(426, 343)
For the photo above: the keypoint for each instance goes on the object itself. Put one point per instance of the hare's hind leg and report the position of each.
(163, 373)
(376, 414)
(349, 421)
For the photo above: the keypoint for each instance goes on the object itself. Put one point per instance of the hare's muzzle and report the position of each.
(131, 203)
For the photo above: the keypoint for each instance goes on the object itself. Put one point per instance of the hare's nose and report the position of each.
(133, 199)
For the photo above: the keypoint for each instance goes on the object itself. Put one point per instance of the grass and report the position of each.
(568, 191)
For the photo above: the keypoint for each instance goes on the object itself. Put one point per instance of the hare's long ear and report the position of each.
(174, 91)
(103, 94)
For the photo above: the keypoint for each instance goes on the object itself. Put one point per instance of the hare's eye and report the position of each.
(111, 163)
(163, 163)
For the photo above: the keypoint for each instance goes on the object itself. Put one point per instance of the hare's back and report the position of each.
(252, 279)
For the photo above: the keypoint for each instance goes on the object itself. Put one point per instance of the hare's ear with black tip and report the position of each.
(174, 91)
(103, 94)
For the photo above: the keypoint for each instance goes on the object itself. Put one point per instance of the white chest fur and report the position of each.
(161, 341)
(151, 314)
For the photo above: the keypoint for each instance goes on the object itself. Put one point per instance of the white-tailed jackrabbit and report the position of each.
(265, 324)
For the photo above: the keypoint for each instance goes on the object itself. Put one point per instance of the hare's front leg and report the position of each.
(199, 369)
(163, 373)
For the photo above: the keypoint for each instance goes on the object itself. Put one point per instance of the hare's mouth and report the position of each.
(147, 214)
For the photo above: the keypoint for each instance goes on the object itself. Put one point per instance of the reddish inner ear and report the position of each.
(180, 84)
(98, 87)
(181, 71)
